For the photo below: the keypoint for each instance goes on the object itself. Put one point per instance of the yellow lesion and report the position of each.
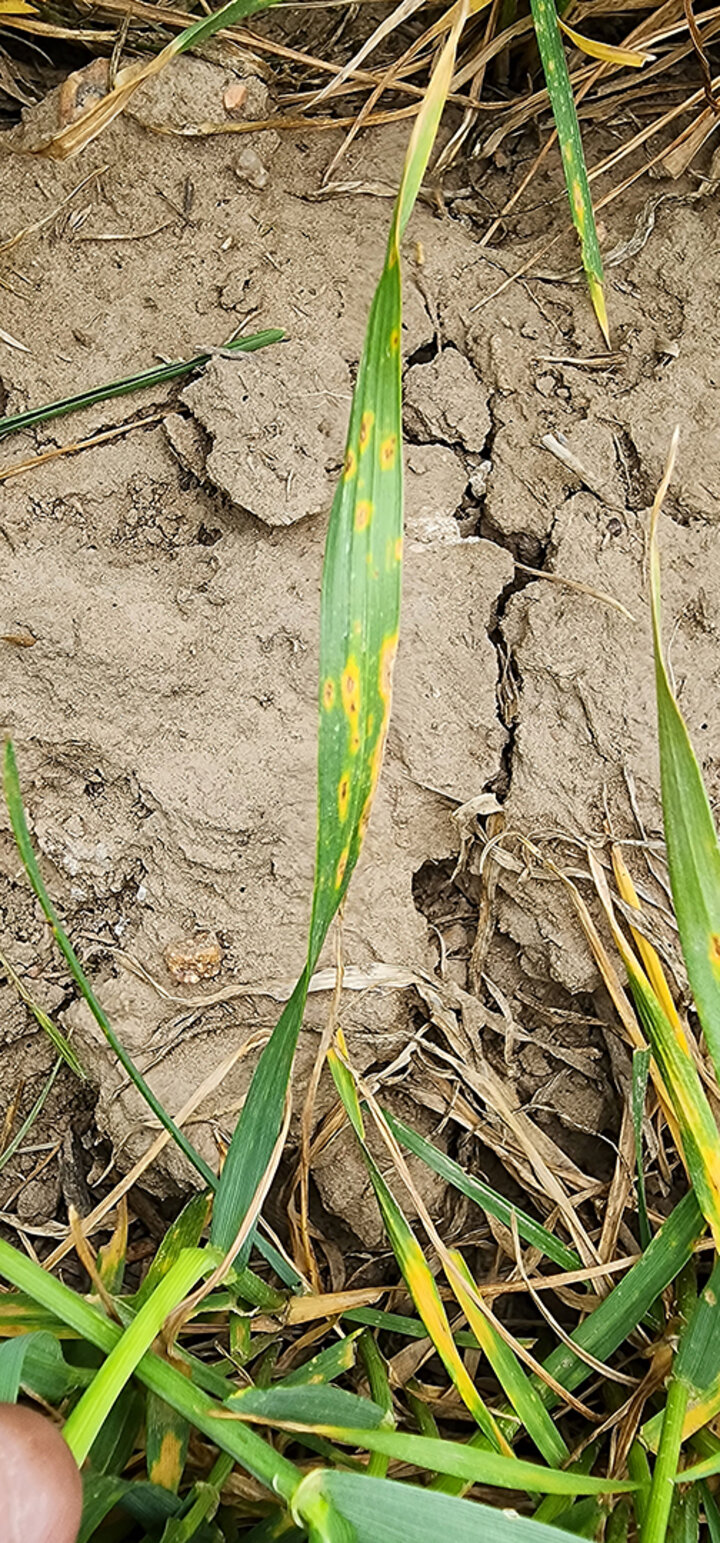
(342, 865)
(394, 340)
(385, 668)
(364, 511)
(350, 689)
(343, 796)
(328, 694)
(399, 549)
(388, 452)
(366, 423)
(350, 466)
(167, 1468)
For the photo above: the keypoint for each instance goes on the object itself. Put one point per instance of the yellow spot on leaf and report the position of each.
(364, 511)
(167, 1467)
(342, 865)
(394, 340)
(350, 688)
(328, 694)
(388, 451)
(366, 424)
(343, 795)
(715, 950)
(398, 550)
(350, 467)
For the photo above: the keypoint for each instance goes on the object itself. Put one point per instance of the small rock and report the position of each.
(249, 168)
(234, 98)
(193, 959)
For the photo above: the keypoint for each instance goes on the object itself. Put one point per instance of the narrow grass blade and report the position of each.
(418, 1276)
(27, 1124)
(384, 1512)
(690, 835)
(16, 811)
(359, 620)
(380, 1392)
(327, 1364)
(654, 1527)
(474, 1466)
(621, 1312)
(35, 1363)
(202, 1504)
(157, 376)
(513, 1378)
(54, 1034)
(697, 1365)
(89, 1415)
(557, 80)
(488, 1199)
(185, 1232)
(698, 1134)
(609, 53)
(306, 1407)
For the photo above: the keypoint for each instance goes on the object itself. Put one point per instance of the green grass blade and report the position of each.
(54, 1034)
(204, 1500)
(385, 1512)
(89, 1415)
(360, 610)
(697, 1365)
(157, 376)
(16, 812)
(557, 80)
(327, 1364)
(474, 1466)
(654, 1527)
(34, 1362)
(699, 1132)
(184, 1232)
(620, 1313)
(417, 1273)
(690, 835)
(306, 1407)
(488, 1199)
(30, 1118)
(514, 1380)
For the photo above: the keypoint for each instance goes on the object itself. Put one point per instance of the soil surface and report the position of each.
(159, 611)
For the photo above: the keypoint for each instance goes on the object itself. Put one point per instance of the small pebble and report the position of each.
(193, 959)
